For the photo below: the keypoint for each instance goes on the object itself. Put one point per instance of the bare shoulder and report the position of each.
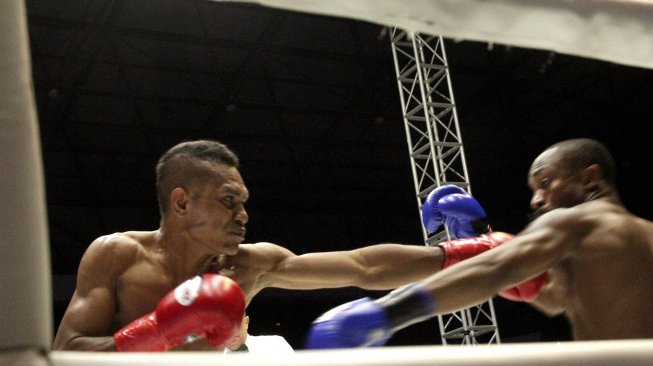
(560, 232)
(115, 252)
(579, 219)
(620, 227)
(115, 244)
(588, 224)
(603, 216)
(646, 226)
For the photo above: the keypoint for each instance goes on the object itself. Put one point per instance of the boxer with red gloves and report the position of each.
(209, 306)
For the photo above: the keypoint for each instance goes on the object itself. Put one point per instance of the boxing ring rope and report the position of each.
(638, 352)
(619, 31)
(26, 303)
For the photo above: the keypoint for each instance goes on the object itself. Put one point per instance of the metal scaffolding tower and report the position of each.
(437, 156)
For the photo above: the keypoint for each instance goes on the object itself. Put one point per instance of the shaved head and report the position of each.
(580, 153)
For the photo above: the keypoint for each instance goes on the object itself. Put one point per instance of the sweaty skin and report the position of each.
(123, 276)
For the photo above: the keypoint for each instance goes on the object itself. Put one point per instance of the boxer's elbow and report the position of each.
(550, 300)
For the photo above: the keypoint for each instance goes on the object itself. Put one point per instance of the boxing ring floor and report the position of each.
(619, 31)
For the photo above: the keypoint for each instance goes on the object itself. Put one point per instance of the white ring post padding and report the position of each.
(23, 357)
(620, 31)
(629, 352)
(25, 292)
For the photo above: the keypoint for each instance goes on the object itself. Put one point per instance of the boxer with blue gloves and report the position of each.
(457, 210)
(597, 252)
(366, 322)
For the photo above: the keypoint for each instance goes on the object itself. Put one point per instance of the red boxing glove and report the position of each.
(210, 306)
(526, 291)
(461, 249)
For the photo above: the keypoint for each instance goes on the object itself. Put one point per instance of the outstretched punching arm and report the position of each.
(542, 245)
(388, 266)
(538, 248)
(375, 267)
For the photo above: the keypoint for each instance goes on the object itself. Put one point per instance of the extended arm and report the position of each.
(535, 250)
(546, 242)
(387, 266)
(376, 267)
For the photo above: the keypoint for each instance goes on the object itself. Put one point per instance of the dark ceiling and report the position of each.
(310, 104)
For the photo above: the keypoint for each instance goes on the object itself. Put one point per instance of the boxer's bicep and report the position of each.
(93, 305)
(88, 315)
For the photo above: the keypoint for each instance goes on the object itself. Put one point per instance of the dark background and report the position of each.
(310, 104)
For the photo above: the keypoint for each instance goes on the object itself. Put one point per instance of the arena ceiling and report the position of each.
(310, 104)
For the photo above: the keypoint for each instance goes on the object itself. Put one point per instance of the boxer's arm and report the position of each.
(86, 324)
(542, 245)
(375, 267)
(548, 240)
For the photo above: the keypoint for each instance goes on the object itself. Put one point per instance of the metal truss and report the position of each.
(437, 156)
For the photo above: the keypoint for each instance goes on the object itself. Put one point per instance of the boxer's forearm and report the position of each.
(87, 344)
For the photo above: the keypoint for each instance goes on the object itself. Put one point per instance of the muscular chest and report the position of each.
(139, 290)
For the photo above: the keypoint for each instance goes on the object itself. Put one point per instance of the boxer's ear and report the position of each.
(592, 177)
(179, 200)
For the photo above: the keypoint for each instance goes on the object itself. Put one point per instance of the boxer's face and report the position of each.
(553, 184)
(217, 215)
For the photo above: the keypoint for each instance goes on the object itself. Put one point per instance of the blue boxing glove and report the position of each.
(457, 210)
(359, 323)
(367, 323)
(431, 215)
(463, 216)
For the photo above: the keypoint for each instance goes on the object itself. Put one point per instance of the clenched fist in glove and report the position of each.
(457, 210)
(210, 306)
(368, 323)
